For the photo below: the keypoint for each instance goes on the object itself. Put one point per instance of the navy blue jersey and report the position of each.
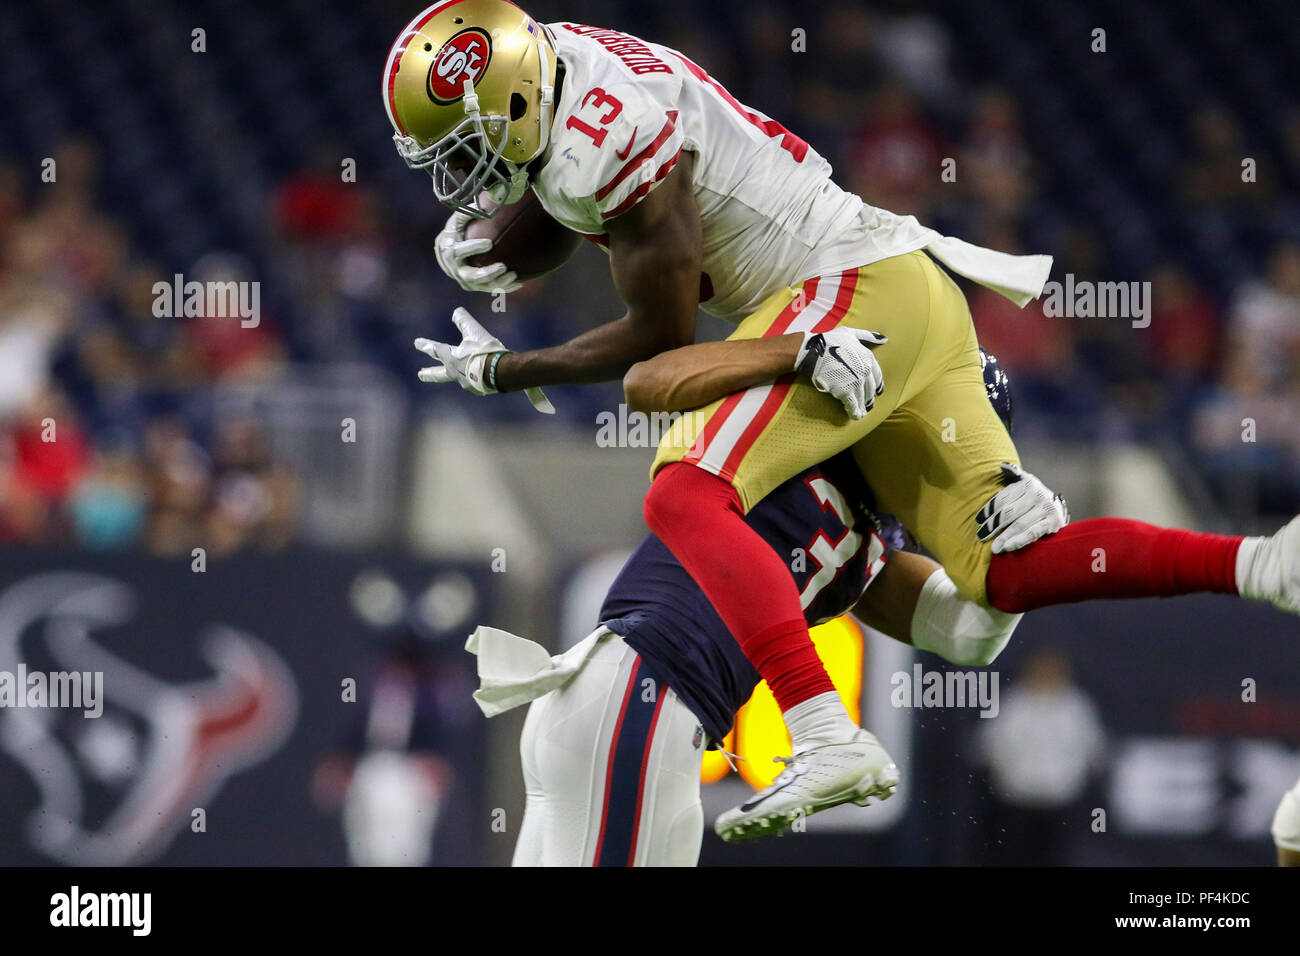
(817, 522)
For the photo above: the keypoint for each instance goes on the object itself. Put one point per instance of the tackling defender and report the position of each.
(612, 745)
(704, 202)
(619, 785)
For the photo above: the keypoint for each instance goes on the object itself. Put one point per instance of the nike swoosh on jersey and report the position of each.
(626, 152)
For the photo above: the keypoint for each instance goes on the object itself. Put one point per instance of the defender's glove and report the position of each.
(470, 364)
(452, 249)
(840, 363)
(1021, 513)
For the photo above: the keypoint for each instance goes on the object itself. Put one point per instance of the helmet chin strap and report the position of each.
(548, 96)
(511, 192)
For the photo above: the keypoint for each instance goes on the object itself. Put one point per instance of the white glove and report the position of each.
(1021, 513)
(469, 364)
(840, 363)
(452, 249)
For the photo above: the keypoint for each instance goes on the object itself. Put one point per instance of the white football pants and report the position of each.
(612, 769)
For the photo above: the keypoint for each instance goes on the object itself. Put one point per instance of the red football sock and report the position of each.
(1112, 558)
(699, 517)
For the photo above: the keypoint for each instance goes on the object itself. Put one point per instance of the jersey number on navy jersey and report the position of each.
(830, 556)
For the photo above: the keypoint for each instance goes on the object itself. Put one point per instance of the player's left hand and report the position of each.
(840, 363)
(469, 363)
(1021, 513)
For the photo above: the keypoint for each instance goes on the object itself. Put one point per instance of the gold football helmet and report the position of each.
(469, 87)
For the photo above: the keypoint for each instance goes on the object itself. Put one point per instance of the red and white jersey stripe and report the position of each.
(734, 428)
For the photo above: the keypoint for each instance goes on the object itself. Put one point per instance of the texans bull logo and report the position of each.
(174, 744)
(464, 57)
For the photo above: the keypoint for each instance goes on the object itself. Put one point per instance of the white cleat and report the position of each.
(1273, 572)
(815, 779)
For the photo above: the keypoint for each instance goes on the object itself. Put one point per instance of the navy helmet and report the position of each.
(998, 386)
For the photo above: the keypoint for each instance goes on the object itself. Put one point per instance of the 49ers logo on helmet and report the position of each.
(464, 57)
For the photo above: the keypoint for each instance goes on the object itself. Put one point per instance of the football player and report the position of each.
(612, 745)
(703, 202)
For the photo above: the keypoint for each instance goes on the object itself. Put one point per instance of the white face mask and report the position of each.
(471, 139)
(467, 145)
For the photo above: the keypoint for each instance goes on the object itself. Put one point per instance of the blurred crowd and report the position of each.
(110, 434)
(107, 435)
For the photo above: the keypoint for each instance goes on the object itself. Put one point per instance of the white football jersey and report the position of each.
(770, 213)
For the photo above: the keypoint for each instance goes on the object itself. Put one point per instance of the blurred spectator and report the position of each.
(1245, 433)
(1030, 343)
(235, 346)
(45, 457)
(392, 778)
(253, 498)
(333, 252)
(13, 205)
(179, 484)
(768, 58)
(67, 239)
(315, 205)
(895, 155)
(994, 167)
(1212, 178)
(33, 322)
(130, 355)
(1185, 335)
(1041, 750)
(1038, 352)
(1245, 443)
(916, 47)
(833, 80)
(235, 498)
(108, 506)
(1264, 326)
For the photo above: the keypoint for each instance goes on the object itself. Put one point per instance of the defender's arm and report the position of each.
(914, 601)
(838, 362)
(696, 375)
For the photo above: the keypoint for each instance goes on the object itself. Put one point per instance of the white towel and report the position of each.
(879, 234)
(1019, 278)
(513, 670)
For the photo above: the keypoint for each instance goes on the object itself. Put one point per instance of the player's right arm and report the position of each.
(655, 254)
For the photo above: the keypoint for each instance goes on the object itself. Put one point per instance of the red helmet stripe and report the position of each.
(399, 47)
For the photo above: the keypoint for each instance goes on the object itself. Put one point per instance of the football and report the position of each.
(524, 237)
